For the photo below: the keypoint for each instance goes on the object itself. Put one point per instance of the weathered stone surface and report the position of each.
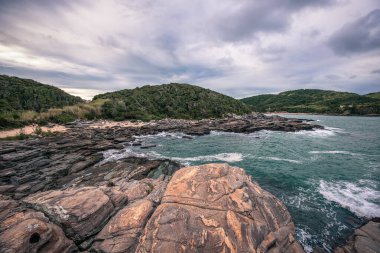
(365, 239)
(81, 212)
(24, 230)
(122, 232)
(217, 208)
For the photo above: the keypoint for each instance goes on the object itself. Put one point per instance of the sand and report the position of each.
(101, 124)
(31, 129)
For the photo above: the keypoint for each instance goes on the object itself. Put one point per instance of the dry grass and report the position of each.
(79, 111)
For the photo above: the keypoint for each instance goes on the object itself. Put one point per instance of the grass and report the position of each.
(85, 111)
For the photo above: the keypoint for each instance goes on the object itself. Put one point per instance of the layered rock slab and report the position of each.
(217, 208)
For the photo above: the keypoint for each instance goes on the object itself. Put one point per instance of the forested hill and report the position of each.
(169, 101)
(316, 101)
(17, 94)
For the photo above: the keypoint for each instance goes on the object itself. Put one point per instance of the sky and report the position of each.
(239, 48)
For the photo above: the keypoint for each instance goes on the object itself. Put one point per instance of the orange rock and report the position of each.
(217, 208)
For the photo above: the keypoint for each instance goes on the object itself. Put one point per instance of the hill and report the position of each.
(316, 101)
(173, 100)
(373, 95)
(17, 94)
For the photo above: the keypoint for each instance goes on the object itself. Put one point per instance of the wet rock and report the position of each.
(217, 208)
(148, 146)
(365, 239)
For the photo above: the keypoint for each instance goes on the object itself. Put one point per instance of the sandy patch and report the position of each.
(108, 124)
(31, 129)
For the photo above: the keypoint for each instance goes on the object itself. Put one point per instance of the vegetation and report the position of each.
(17, 94)
(173, 100)
(373, 95)
(24, 101)
(21, 100)
(316, 101)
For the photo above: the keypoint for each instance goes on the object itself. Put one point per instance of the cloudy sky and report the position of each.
(239, 48)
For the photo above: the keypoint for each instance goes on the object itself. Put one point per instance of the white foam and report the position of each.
(176, 135)
(115, 154)
(225, 157)
(273, 158)
(333, 152)
(358, 198)
(323, 133)
(304, 237)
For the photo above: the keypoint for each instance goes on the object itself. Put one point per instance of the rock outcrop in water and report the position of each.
(365, 239)
(208, 208)
(58, 194)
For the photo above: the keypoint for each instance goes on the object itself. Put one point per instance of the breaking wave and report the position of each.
(224, 157)
(273, 158)
(359, 199)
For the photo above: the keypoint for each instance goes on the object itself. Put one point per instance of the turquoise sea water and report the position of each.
(329, 179)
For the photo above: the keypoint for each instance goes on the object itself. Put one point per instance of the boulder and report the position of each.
(25, 230)
(365, 239)
(217, 208)
(81, 212)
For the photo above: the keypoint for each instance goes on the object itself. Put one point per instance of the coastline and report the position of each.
(322, 114)
(71, 160)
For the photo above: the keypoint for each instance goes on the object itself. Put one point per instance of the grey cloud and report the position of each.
(375, 71)
(333, 77)
(261, 16)
(363, 35)
(115, 44)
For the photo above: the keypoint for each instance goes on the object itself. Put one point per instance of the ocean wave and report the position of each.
(177, 135)
(323, 133)
(317, 133)
(273, 158)
(116, 154)
(358, 198)
(333, 152)
(225, 157)
(304, 237)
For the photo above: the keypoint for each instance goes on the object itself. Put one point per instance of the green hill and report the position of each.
(373, 95)
(17, 94)
(173, 100)
(316, 101)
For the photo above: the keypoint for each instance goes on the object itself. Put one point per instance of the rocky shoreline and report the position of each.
(58, 195)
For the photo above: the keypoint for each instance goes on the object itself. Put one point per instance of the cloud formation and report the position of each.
(363, 35)
(238, 48)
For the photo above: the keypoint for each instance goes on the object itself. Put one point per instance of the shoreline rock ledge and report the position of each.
(207, 208)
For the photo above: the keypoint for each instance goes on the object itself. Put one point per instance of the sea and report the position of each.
(329, 179)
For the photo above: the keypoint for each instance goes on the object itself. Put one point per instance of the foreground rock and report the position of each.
(209, 208)
(217, 208)
(365, 239)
